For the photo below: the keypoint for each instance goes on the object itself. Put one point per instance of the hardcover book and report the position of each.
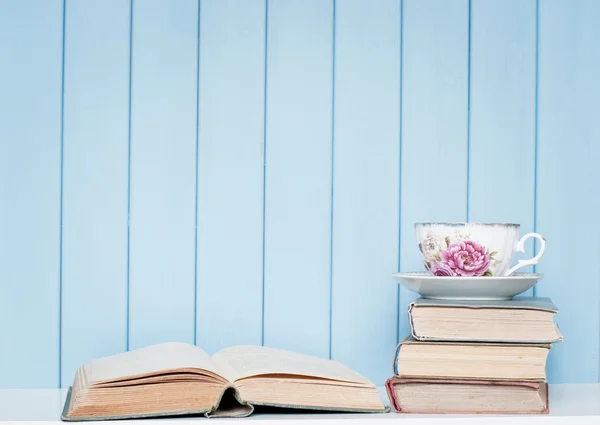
(453, 396)
(523, 319)
(172, 379)
(471, 360)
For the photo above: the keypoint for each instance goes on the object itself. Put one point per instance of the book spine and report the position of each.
(389, 387)
(411, 321)
(395, 361)
(547, 409)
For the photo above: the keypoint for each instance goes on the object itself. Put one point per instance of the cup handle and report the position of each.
(521, 248)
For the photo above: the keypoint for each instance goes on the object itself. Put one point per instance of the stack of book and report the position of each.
(475, 357)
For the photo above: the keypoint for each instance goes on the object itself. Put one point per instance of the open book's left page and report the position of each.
(150, 361)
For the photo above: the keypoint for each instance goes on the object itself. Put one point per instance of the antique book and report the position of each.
(523, 319)
(466, 397)
(471, 360)
(181, 379)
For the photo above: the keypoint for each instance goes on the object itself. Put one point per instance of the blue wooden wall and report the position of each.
(228, 172)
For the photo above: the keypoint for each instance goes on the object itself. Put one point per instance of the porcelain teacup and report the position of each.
(473, 249)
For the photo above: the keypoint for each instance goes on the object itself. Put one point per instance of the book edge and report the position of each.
(470, 381)
(210, 413)
(547, 406)
(415, 337)
(411, 340)
(537, 303)
(395, 359)
(205, 412)
(509, 342)
(386, 409)
(389, 385)
(411, 321)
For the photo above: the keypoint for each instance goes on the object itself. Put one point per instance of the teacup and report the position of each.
(473, 249)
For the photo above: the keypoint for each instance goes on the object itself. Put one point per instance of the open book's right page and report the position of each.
(241, 362)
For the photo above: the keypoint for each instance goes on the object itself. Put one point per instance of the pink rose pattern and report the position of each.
(441, 269)
(466, 258)
(462, 258)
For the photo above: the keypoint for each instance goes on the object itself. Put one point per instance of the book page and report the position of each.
(150, 360)
(246, 361)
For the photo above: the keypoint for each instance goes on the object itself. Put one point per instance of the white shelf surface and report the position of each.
(570, 404)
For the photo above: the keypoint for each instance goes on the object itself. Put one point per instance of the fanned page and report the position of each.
(151, 360)
(241, 362)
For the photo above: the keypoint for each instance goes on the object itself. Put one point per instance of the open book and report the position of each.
(181, 379)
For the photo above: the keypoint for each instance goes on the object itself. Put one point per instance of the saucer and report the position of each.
(467, 288)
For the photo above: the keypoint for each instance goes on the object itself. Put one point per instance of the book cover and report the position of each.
(229, 405)
(411, 340)
(518, 303)
(538, 390)
(531, 303)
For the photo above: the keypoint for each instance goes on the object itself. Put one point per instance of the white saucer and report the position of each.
(467, 288)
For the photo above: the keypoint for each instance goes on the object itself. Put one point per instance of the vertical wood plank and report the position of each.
(96, 110)
(230, 173)
(163, 171)
(502, 134)
(366, 185)
(30, 168)
(434, 125)
(298, 175)
(568, 198)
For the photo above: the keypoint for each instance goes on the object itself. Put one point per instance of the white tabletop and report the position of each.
(570, 404)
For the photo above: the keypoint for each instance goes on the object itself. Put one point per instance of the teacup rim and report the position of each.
(465, 223)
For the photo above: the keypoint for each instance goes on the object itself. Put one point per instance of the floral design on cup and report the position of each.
(441, 269)
(467, 258)
(456, 255)
(463, 250)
